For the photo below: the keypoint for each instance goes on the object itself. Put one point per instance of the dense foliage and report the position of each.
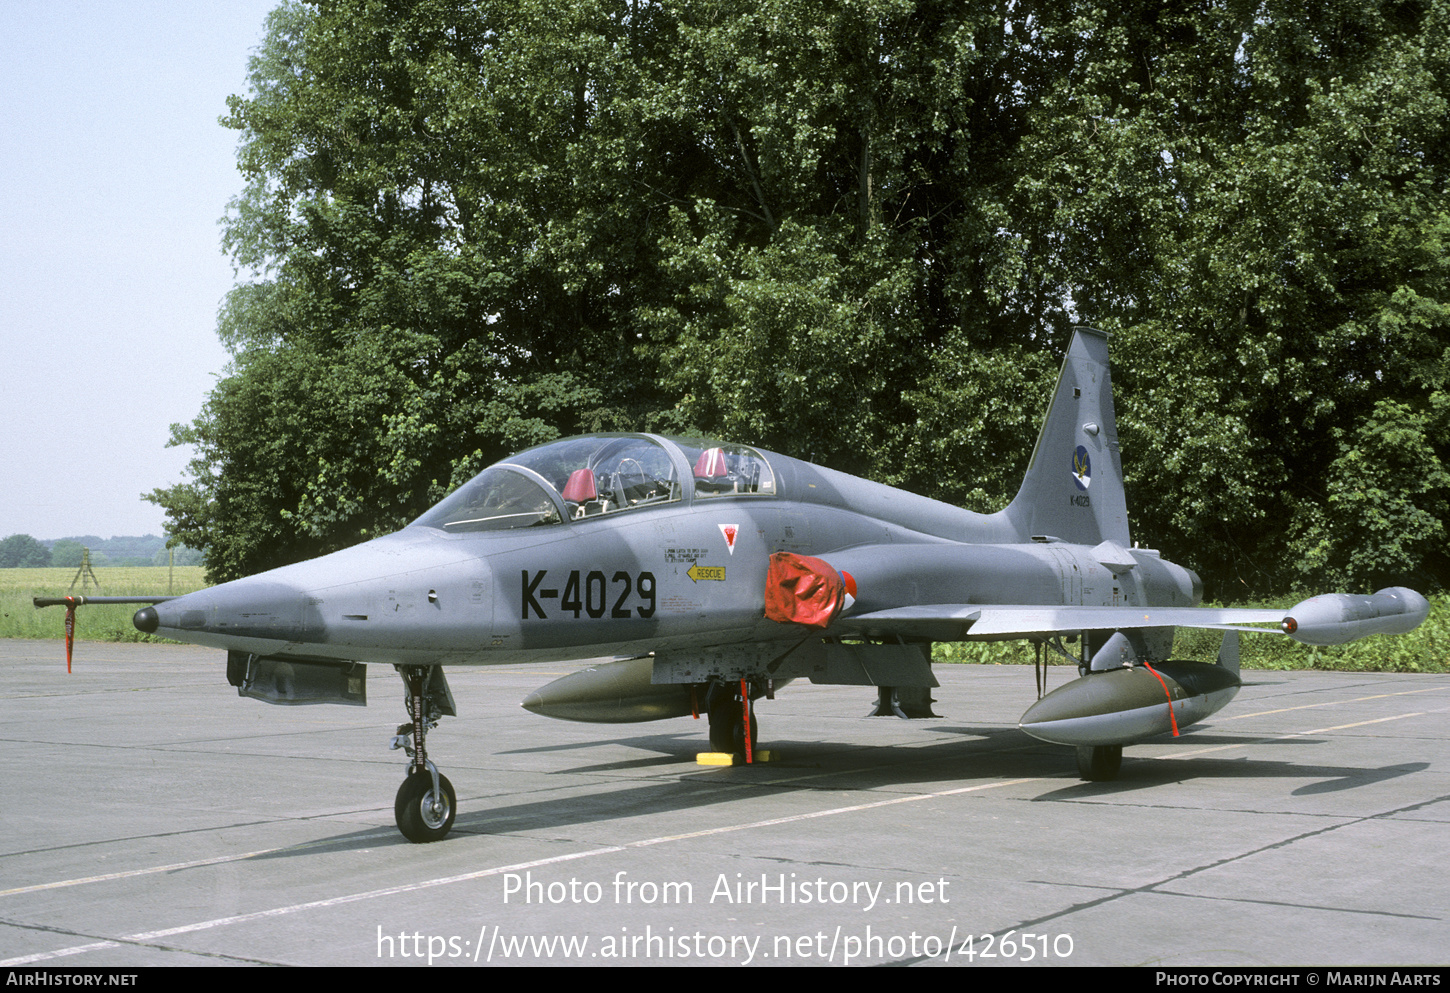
(858, 232)
(21, 551)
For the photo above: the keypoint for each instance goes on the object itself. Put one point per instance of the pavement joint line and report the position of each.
(149, 936)
(1295, 906)
(1111, 893)
(1300, 734)
(1333, 703)
(102, 945)
(176, 866)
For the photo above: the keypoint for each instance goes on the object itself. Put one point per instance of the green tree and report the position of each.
(67, 553)
(1258, 193)
(21, 551)
(859, 232)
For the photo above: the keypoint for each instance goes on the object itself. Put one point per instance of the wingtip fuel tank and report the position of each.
(1337, 618)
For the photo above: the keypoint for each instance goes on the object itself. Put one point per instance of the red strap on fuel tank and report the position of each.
(1171, 718)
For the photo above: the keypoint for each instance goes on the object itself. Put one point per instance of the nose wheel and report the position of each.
(425, 806)
(426, 803)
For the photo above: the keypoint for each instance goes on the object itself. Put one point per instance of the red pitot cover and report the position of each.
(802, 590)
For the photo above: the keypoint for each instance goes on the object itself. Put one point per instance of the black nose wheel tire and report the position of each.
(423, 816)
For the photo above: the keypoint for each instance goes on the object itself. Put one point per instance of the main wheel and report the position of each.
(423, 815)
(1099, 763)
(737, 737)
(724, 712)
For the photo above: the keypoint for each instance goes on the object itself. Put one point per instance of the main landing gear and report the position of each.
(426, 803)
(1099, 763)
(726, 705)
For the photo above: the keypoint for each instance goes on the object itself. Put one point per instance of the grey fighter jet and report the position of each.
(717, 573)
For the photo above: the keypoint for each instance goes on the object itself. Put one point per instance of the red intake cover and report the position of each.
(802, 590)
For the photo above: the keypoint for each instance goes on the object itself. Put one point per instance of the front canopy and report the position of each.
(582, 477)
(597, 475)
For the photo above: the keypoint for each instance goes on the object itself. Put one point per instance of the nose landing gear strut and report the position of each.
(426, 803)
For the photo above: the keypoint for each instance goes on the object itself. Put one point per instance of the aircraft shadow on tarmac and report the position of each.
(983, 753)
(892, 763)
(1007, 752)
(1146, 773)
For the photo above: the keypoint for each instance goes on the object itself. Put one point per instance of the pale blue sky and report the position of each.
(113, 175)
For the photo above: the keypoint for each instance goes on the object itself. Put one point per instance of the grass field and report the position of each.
(99, 622)
(1426, 649)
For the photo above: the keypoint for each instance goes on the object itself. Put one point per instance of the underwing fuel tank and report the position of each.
(1336, 618)
(1121, 706)
(617, 692)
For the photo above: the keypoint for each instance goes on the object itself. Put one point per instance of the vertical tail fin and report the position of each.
(1073, 489)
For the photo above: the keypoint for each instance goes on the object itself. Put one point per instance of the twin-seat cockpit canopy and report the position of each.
(598, 475)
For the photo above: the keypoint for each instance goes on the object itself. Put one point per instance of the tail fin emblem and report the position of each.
(1082, 470)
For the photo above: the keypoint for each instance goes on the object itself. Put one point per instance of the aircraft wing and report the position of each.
(1006, 621)
(1328, 619)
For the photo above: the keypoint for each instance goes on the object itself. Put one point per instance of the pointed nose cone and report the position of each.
(263, 609)
(407, 597)
(274, 610)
